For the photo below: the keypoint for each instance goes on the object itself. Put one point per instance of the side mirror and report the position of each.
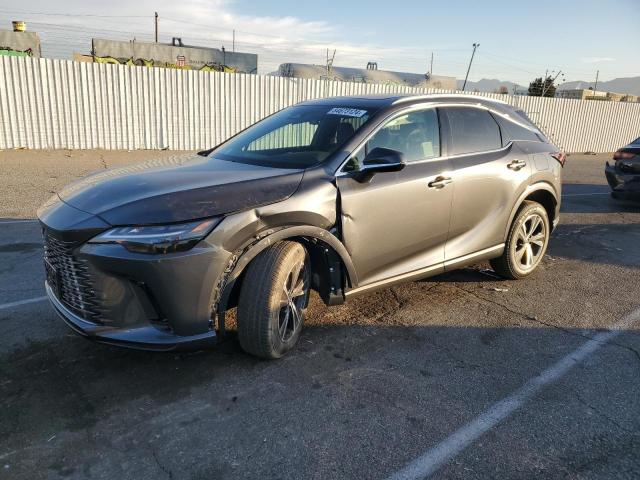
(379, 160)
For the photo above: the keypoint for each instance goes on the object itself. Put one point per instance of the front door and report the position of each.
(398, 222)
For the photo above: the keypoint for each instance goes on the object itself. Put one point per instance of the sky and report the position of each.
(518, 40)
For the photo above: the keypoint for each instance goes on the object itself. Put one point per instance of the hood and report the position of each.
(179, 188)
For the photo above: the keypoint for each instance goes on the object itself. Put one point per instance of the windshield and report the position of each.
(296, 137)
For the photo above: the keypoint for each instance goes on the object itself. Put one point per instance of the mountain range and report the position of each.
(628, 85)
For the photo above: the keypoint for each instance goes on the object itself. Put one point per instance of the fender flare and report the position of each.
(536, 187)
(270, 237)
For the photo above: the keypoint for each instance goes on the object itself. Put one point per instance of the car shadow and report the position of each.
(604, 243)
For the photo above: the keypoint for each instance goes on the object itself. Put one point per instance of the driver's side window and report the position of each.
(415, 134)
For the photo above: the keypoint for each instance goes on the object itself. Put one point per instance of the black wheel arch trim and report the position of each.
(242, 258)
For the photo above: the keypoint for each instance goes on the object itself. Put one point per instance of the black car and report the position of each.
(339, 195)
(624, 175)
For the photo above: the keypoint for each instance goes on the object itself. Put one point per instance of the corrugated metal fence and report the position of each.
(48, 103)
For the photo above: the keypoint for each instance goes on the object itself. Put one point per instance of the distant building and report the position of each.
(588, 94)
(173, 55)
(18, 42)
(371, 74)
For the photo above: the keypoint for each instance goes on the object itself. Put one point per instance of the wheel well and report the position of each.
(327, 282)
(547, 200)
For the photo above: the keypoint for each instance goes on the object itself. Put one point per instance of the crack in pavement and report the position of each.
(533, 318)
(602, 414)
(166, 470)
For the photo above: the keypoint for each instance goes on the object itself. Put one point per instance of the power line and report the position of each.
(73, 14)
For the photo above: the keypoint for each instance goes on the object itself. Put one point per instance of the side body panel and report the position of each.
(485, 189)
(395, 223)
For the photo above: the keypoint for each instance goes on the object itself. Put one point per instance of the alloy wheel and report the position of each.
(530, 241)
(292, 301)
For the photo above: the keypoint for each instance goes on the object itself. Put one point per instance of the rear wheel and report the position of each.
(273, 299)
(526, 244)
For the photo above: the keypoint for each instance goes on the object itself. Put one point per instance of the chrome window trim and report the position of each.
(425, 106)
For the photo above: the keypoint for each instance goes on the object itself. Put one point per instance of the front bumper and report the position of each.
(141, 338)
(622, 183)
(150, 302)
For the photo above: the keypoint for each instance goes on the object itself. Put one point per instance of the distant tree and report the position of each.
(537, 87)
(503, 90)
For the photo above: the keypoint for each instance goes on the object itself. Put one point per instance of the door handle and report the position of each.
(440, 182)
(517, 165)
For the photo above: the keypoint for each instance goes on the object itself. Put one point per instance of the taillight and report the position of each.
(560, 157)
(620, 155)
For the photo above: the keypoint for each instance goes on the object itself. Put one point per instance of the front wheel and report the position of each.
(273, 299)
(526, 244)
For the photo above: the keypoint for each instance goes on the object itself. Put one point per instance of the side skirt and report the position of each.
(431, 271)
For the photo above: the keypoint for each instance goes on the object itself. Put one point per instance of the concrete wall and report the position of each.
(62, 104)
(165, 55)
(19, 43)
(362, 75)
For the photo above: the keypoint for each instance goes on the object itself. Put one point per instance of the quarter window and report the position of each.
(473, 130)
(415, 134)
(512, 131)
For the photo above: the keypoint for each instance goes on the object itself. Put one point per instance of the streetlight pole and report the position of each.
(156, 17)
(475, 45)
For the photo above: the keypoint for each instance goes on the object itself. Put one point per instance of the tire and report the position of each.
(272, 303)
(615, 195)
(521, 255)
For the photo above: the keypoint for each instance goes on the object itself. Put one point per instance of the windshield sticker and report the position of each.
(347, 112)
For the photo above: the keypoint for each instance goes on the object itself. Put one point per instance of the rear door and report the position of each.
(397, 223)
(488, 176)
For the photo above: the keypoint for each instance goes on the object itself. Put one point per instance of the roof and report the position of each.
(388, 100)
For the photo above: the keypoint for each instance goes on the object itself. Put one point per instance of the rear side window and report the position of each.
(472, 130)
(512, 131)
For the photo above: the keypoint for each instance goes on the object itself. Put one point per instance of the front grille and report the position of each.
(70, 279)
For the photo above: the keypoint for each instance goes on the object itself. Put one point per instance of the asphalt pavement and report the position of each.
(459, 376)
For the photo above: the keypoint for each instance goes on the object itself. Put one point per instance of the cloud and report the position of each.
(210, 23)
(596, 59)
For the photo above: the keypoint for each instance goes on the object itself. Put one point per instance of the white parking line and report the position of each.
(436, 457)
(584, 194)
(22, 302)
(9, 222)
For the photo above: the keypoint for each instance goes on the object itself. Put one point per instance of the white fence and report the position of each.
(48, 103)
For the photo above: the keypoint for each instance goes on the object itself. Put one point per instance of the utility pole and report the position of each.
(545, 90)
(156, 27)
(475, 45)
(431, 68)
(595, 87)
(233, 47)
(330, 63)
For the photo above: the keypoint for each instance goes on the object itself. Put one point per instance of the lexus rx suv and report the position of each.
(340, 195)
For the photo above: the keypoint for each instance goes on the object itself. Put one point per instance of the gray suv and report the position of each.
(340, 195)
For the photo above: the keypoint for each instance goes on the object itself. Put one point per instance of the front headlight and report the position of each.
(159, 238)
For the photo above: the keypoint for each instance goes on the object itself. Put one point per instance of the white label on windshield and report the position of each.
(347, 112)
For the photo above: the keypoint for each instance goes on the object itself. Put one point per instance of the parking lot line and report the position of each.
(584, 194)
(9, 222)
(436, 457)
(22, 302)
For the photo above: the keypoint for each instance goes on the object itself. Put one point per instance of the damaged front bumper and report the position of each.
(622, 183)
